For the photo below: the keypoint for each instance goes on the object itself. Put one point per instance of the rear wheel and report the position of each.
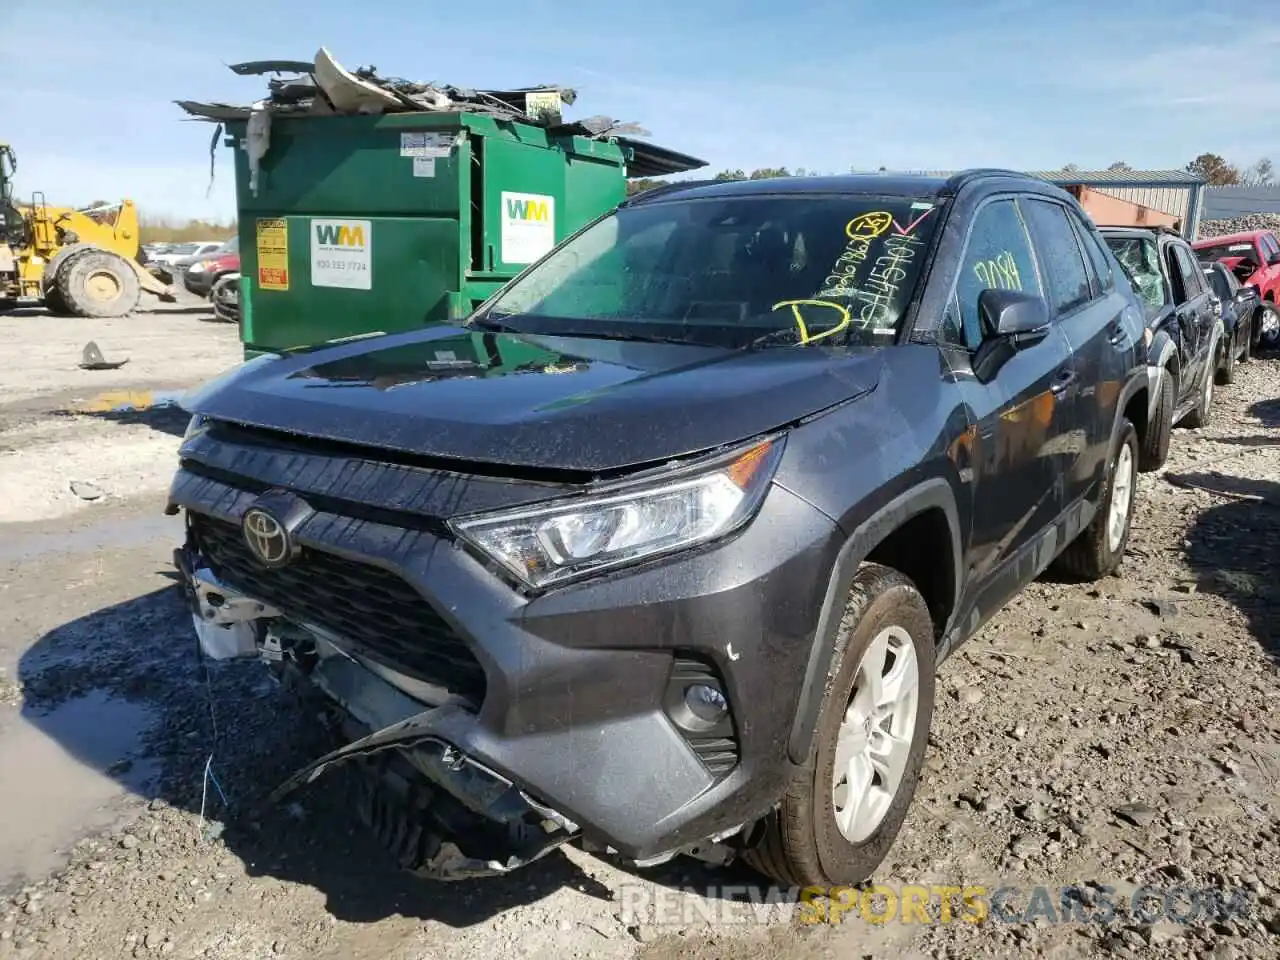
(98, 284)
(844, 807)
(1099, 550)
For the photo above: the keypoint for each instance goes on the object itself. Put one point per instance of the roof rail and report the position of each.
(958, 180)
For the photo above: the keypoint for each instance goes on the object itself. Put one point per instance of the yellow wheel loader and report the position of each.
(81, 262)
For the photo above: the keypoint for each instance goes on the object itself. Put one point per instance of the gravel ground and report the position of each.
(1117, 735)
(111, 452)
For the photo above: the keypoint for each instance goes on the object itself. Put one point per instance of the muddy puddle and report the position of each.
(51, 798)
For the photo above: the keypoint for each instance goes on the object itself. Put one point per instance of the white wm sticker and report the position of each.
(340, 254)
(528, 226)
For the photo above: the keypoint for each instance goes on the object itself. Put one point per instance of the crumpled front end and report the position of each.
(442, 814)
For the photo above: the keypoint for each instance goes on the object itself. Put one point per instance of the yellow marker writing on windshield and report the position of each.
(867, 225)
(795, 306)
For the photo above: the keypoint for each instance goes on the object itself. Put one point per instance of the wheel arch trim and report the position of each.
(934, 493)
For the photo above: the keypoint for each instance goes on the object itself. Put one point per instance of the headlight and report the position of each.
(195, 425)
(579, 537)
(198, 267)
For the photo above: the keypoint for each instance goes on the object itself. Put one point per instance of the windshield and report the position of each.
(729, 272)
(230, 246)
(184, 248)
(1243, 249)
(1141, 260)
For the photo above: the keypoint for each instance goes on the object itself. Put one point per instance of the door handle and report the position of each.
(1118, 334)
(1063, 382)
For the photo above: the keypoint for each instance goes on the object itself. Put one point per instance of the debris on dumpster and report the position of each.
(324, 87)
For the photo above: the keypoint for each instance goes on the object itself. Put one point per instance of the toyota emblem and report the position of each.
(267, 538)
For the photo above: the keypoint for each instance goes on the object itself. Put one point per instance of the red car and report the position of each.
(1254, 258)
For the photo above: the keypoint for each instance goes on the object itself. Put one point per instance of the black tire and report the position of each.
(1203, 410)
(1092, 556)
(802, 844)
(98, 284)
(1154, 450)
(1225, 372)
(54, 303)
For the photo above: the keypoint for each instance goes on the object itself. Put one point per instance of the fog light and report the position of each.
(706, 702)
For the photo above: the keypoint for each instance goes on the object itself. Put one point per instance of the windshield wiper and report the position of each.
(629, 337)
(493, 326)
(781, 335)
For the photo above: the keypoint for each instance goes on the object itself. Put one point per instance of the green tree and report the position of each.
(1120, 167)
(643, 184)
(1214, 169)
(730, 175)
(766, 173)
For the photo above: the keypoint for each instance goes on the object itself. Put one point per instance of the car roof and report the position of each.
(1151, 233)
(869, 184)
(1230, 238)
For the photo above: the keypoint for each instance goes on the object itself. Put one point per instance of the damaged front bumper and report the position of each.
(442, 814)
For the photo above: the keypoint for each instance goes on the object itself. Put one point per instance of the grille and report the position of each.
(377, 612)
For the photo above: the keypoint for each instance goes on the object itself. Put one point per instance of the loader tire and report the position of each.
(98, 284)
(54, 303)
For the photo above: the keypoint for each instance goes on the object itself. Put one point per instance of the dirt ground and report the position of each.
(1104, 738)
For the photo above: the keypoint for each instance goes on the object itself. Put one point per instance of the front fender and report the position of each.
(935, 492)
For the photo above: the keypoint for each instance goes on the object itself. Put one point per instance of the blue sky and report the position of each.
(821, 84)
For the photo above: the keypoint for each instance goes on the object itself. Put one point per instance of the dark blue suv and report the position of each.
(659, 550)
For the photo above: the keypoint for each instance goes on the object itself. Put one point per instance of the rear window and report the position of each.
(730, 271)
(1242, 249)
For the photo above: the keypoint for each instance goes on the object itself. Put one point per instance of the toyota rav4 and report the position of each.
(659, 550)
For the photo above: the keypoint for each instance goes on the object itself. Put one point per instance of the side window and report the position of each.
(1270, 247)
(1191, 277)
(1097, 256)
(1063, 262)
(998, 255)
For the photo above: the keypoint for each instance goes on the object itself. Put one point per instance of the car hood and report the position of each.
(562, 403)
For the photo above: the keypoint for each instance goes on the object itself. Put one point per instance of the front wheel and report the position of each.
(1154, 450)
(843, 809)
(1099, 550)
(1225, 374)
(1199, 416)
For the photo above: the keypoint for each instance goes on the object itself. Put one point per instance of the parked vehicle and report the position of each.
(181, 251)
(1240, 331)
(661, 547)
(1254, 257)
(225, 297)
(1185, 319)
(200, 276)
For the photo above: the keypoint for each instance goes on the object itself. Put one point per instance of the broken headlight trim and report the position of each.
(565, 541)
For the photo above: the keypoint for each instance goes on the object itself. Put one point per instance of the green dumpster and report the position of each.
(361, 224)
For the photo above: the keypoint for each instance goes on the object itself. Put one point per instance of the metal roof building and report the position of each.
(1225, 203)
(1175, 192)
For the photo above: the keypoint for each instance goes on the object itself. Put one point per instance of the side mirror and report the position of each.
(1020, 318)
(1014, 321)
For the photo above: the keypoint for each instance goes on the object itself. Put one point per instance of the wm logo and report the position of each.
(527, 209)
(333, 235)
